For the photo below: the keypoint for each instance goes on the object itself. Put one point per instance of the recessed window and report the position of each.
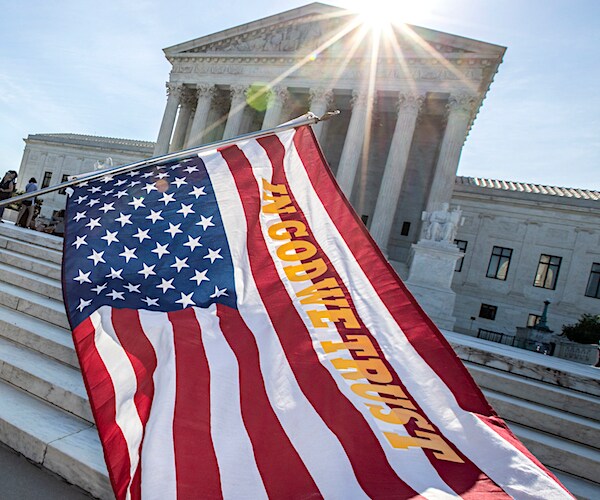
(488, 311)
(593, 286)
(533, 320)
(405, 228)
(46, 180)
(462, 246)
(364, 218)
(547, 271)
(499, 263)
(65, 178)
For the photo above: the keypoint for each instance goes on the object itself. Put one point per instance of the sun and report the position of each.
(380, 13)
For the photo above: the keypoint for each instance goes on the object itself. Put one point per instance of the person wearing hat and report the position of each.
(27, 206)
(7, 187)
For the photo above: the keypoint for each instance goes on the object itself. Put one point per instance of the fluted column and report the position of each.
(320, 100)
(277, 97)
(395, 168)
(183, 120)
(460, 108)
(236, 111)
(354, 142)
(205, 93)
(166, 127)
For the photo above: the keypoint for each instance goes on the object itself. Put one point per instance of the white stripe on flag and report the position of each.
(320, 450)
(504, 464)
(237, 466)
(124, 383)
(423, 477)
(158, 455)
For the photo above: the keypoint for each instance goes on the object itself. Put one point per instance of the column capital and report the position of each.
(174, 89)
(361, 97)
(461, 103)
(321, 94)
(205, 90)
(237, 91)
(279, 93)
(409, 101)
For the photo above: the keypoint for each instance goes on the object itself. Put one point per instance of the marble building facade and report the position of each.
(394, 148)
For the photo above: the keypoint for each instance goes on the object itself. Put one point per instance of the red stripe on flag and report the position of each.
(280, 466)
(142, 357)
(364, 451)
(196, 465)
(102, 402)
(463, 477)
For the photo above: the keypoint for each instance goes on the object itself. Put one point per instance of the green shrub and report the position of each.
(585, 331)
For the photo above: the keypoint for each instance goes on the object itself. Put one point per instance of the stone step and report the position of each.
(554, 371)
(30, 281)
(560, 454)
(46, 378)
(538, 392)
(31, 250)
(559, 423)
(39, 335)
(33, 304)
(37, 238)
(581, 488)
(28, 263)
(54, 439)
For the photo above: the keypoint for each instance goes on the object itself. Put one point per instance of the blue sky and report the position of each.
(77, 66)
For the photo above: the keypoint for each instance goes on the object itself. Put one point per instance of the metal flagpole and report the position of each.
(307, 119)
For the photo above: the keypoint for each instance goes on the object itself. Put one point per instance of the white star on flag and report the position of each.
(205, 222)
(179, 181)
(167, 198)
(110, 237)
(186, 210)
(115, 274)
(219, 293)
(154, 216)
(180, 263)
(99, 288)
(137, 202)
(161, 250)
(199, 277)
(128, 254)
(133, 288)
(124, 219)
(83, 277)
(142, 235)
(116, 295)
(198, 191)
(186, 300)
(166, 285)
(79, 216)
(148, 270)
(173, 229)
(150, 302)
(192, 243)
(93, 223)
(213, 255)
(96, 257)
(83, 304)
(79, 240)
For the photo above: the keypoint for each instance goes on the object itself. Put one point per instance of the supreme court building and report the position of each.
(407, 103)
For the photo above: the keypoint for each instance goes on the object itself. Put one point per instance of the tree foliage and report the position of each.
(585, 331)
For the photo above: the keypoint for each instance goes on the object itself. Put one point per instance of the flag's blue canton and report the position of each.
(148, 239)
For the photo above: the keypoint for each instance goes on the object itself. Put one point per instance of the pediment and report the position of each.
(299, 31)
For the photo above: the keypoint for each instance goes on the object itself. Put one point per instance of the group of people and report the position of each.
(8, 185)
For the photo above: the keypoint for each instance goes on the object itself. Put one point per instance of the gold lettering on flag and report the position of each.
(395, 407)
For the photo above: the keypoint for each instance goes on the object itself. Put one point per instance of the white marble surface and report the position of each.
(29, 263)
(25, 248)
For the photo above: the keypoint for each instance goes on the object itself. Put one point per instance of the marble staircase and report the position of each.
(552, 405)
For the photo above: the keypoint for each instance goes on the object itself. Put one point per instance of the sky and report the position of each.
(89, 67)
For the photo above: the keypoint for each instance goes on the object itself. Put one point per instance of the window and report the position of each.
(488, 312)
(593, 286)
(462, 246)
(547, 271)
(405, 228)
(65, 178)
(532, 320)
(499, 262)
(364, 218)
(46, 179)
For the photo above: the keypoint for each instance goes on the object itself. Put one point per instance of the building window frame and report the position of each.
(462, 246)
(488, 311)
(499, 263)
(547, 271)
(46, 179)
(533, 319)
(593, 285)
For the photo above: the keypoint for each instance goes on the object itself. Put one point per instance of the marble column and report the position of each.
(320, 100)
(460, 108)
(183, 120)
(395, 167)
(236, 111)
(205, 93)
(166, 127)
(354, 142)
(276, 100)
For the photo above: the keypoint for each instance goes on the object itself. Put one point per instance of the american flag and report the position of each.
(240, 336)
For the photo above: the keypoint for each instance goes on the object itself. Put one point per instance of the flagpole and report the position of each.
(307, 119)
